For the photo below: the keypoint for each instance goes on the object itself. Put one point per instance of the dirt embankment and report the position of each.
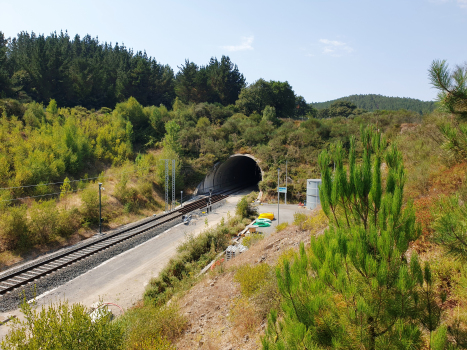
(209, 304)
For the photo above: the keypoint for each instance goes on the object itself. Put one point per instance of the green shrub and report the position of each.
(14, 231)
(245, 209)
(128, 207)
(62, 326)
(47, 222)
(242, 208)
(258, 284)
(67, 222)
(316, 222)
(267, 297)
(90, 204)
(252, 278)
(124, 193)
(144, 188)
(193, 253)
(356, 285)
(450, 226)
(282, 226)
(151, 327)
(299, 219)
(44, 218)
(250, 240)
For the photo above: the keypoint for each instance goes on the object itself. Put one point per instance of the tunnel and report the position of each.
(240, 170)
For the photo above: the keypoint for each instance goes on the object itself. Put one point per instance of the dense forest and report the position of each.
(372, 102)
(85, 72)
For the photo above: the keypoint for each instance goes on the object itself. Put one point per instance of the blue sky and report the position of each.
(324, 49)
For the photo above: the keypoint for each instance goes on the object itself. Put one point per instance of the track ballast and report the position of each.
(46, 268)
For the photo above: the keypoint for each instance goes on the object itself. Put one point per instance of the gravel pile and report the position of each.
(12, 300)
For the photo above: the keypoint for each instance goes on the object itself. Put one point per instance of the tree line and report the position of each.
(372, 102)
(83, 71)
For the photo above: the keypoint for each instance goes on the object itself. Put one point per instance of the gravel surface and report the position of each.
(43, 284)
(11, 300)
(54, 253)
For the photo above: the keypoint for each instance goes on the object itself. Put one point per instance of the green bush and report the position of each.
(47, 223)
(126, 194)
(259, 284)
(244, 209)
(252, 278)
(144, 188)
(450, 226)
(194, 253)
(43, 222)
(316, 222)
(151, 327)
(62, 326)
(67, 222)
(250, 240)
(299, 219)
(282, 226)
(14, 231)
(90, 204)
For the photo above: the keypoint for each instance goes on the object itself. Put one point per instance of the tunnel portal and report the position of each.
(240, 170)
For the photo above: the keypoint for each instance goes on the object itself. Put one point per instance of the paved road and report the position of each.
(122, 279)
(286, 214)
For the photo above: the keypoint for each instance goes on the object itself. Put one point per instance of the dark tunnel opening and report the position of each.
(237, 171)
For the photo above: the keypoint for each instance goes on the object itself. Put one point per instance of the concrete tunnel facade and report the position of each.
(238, 170)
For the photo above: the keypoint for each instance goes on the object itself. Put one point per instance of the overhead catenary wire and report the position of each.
(57, 193)
(62, 182)
(40, 195)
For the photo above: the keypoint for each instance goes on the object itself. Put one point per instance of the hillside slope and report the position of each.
(372, 102)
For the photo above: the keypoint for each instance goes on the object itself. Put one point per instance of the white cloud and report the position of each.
(335, 48)
(245, 45)
(462, 3)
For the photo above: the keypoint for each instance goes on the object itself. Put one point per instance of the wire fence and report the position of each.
(78, 182)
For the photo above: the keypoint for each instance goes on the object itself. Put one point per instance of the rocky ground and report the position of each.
(208, 305)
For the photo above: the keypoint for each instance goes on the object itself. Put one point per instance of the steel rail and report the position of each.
(13, 280)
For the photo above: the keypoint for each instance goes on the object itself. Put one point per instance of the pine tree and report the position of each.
(65, 189)
(357, 288)
(4, 77)
(452, 86)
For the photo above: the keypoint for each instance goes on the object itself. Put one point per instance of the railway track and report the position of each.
(35, 271)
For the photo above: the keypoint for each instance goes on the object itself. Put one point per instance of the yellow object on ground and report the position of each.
(269, 216)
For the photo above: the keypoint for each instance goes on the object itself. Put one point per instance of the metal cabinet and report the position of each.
(312, 193)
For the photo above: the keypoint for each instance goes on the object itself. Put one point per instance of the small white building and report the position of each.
(312, 193)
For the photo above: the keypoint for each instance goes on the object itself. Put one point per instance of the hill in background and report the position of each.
(374, 102)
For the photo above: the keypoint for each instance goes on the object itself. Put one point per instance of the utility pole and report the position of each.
(286, 174)
(181, 199)
(173, 184)
(167, 165)
(100, 207)
(166, 184)
(278, 194)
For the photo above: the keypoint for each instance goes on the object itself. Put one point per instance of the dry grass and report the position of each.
(244, 318)
(219, 316)
(150, 327)
(113, 213)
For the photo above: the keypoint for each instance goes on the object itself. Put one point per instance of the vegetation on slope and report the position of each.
(207, 120)
(372, 102)
(357, 286)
